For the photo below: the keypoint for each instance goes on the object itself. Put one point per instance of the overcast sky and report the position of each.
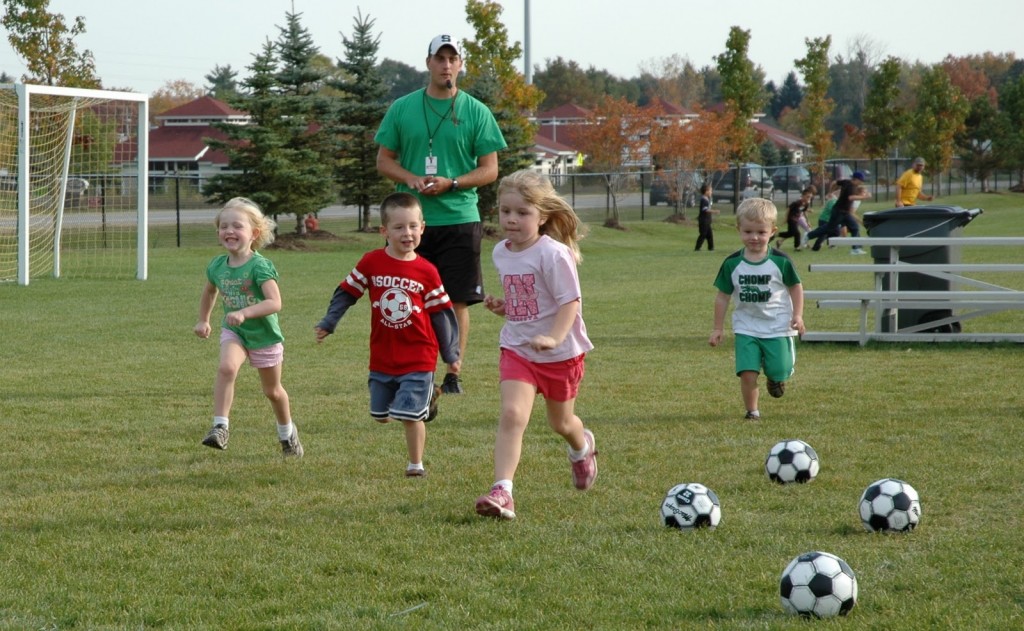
(142, 44)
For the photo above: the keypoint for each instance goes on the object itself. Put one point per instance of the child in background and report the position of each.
(411, 320)
(826, 213)
(794, 214)
(247, 284)
(769, 304)
(544, 340)
(705, 217)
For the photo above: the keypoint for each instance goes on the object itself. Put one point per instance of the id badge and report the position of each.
(431, 167)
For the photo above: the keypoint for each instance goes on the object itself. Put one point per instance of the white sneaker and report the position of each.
(857, 251)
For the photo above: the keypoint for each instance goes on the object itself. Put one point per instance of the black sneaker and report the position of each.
(452, 384)
(217, 437)
(776, 388)
(752, 416)
(432, 410)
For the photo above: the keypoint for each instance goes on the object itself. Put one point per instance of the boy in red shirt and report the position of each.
(411, 321)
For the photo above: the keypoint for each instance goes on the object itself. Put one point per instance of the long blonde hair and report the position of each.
(560, 221)
(263, 225)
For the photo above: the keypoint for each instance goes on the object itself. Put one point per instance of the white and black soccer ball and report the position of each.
(791, 461)
(889, 505)
(395, 305)
(818, 584)
(690, 506)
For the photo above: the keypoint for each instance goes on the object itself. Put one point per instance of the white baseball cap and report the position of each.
(443, 40)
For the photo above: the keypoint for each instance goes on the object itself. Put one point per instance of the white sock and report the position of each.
(220, 420)
(576, 456)
(284, 432)
(414, 466)
(505, 484)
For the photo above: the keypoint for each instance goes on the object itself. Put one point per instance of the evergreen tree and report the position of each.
(400, 78)
(222, 81)
(282, 157)
(355, 120)
(789, 96)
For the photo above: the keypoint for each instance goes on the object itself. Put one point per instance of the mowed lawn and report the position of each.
(113, 516)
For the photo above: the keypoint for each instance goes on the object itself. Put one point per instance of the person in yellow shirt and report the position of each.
(908, 187)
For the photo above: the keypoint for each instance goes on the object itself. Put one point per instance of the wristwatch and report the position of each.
(455, 184)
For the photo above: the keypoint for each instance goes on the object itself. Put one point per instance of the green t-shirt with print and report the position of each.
(240, 287)
(454, 134)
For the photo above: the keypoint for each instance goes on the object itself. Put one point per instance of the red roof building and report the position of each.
(179, 142)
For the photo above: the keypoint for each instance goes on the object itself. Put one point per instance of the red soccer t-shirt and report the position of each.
(403, 294)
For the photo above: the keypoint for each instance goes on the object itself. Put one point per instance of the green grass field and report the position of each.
(113, 516)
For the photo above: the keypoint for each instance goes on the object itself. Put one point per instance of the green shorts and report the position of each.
(777, 355)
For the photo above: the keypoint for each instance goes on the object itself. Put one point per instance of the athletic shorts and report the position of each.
(266, 357)
(777, 355)
(401, 397)
(455, 252)
(556, 381)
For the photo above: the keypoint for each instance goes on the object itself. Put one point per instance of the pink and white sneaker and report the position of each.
(497, 503)
(584, 472)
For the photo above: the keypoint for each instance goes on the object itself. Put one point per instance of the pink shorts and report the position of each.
(557, 381)
(266, 357)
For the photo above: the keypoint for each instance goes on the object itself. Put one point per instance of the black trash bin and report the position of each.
(919, 221)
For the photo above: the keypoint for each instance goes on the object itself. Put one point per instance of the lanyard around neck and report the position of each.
(450, 112)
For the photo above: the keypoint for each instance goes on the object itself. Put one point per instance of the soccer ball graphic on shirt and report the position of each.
(818, 584)
(791, 461)
(690, 506)
(395, 305)
(889, 505)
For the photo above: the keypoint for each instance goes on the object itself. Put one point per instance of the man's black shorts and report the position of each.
(455, 252)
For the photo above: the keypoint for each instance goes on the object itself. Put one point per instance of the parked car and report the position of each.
(793, 178)
(834, 171)
(665, 187)
(661, 192)
(754, 182)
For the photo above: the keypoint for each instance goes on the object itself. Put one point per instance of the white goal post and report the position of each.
(73, 183)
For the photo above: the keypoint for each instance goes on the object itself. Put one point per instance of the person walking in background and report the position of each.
(909, 185)
(768, 305)
(440, 143)
(544, 340)
(841, 216)
(246, 282)
(795, 212)
(705, 218)
(410, 322)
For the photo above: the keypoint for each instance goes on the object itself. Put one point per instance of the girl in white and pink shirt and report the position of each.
(544, 340)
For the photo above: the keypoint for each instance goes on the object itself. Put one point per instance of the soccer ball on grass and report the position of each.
(818, 584)
(889, 505)
(791, 461)
(690, 506)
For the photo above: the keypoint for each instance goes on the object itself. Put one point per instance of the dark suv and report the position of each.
(754, 182)
(793, 178)
(665, 187)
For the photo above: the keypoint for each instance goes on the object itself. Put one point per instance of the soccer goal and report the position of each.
(73, 183)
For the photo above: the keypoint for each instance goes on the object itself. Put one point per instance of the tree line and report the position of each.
(313, 118)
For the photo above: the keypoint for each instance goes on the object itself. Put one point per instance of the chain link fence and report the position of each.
(175, 199)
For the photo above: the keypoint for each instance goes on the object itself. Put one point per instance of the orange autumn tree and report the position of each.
(613, 139)
(695, 145)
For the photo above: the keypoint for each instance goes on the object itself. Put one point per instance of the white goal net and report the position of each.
(73, 183)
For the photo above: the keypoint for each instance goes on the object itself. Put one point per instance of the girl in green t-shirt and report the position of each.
(246, 281)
